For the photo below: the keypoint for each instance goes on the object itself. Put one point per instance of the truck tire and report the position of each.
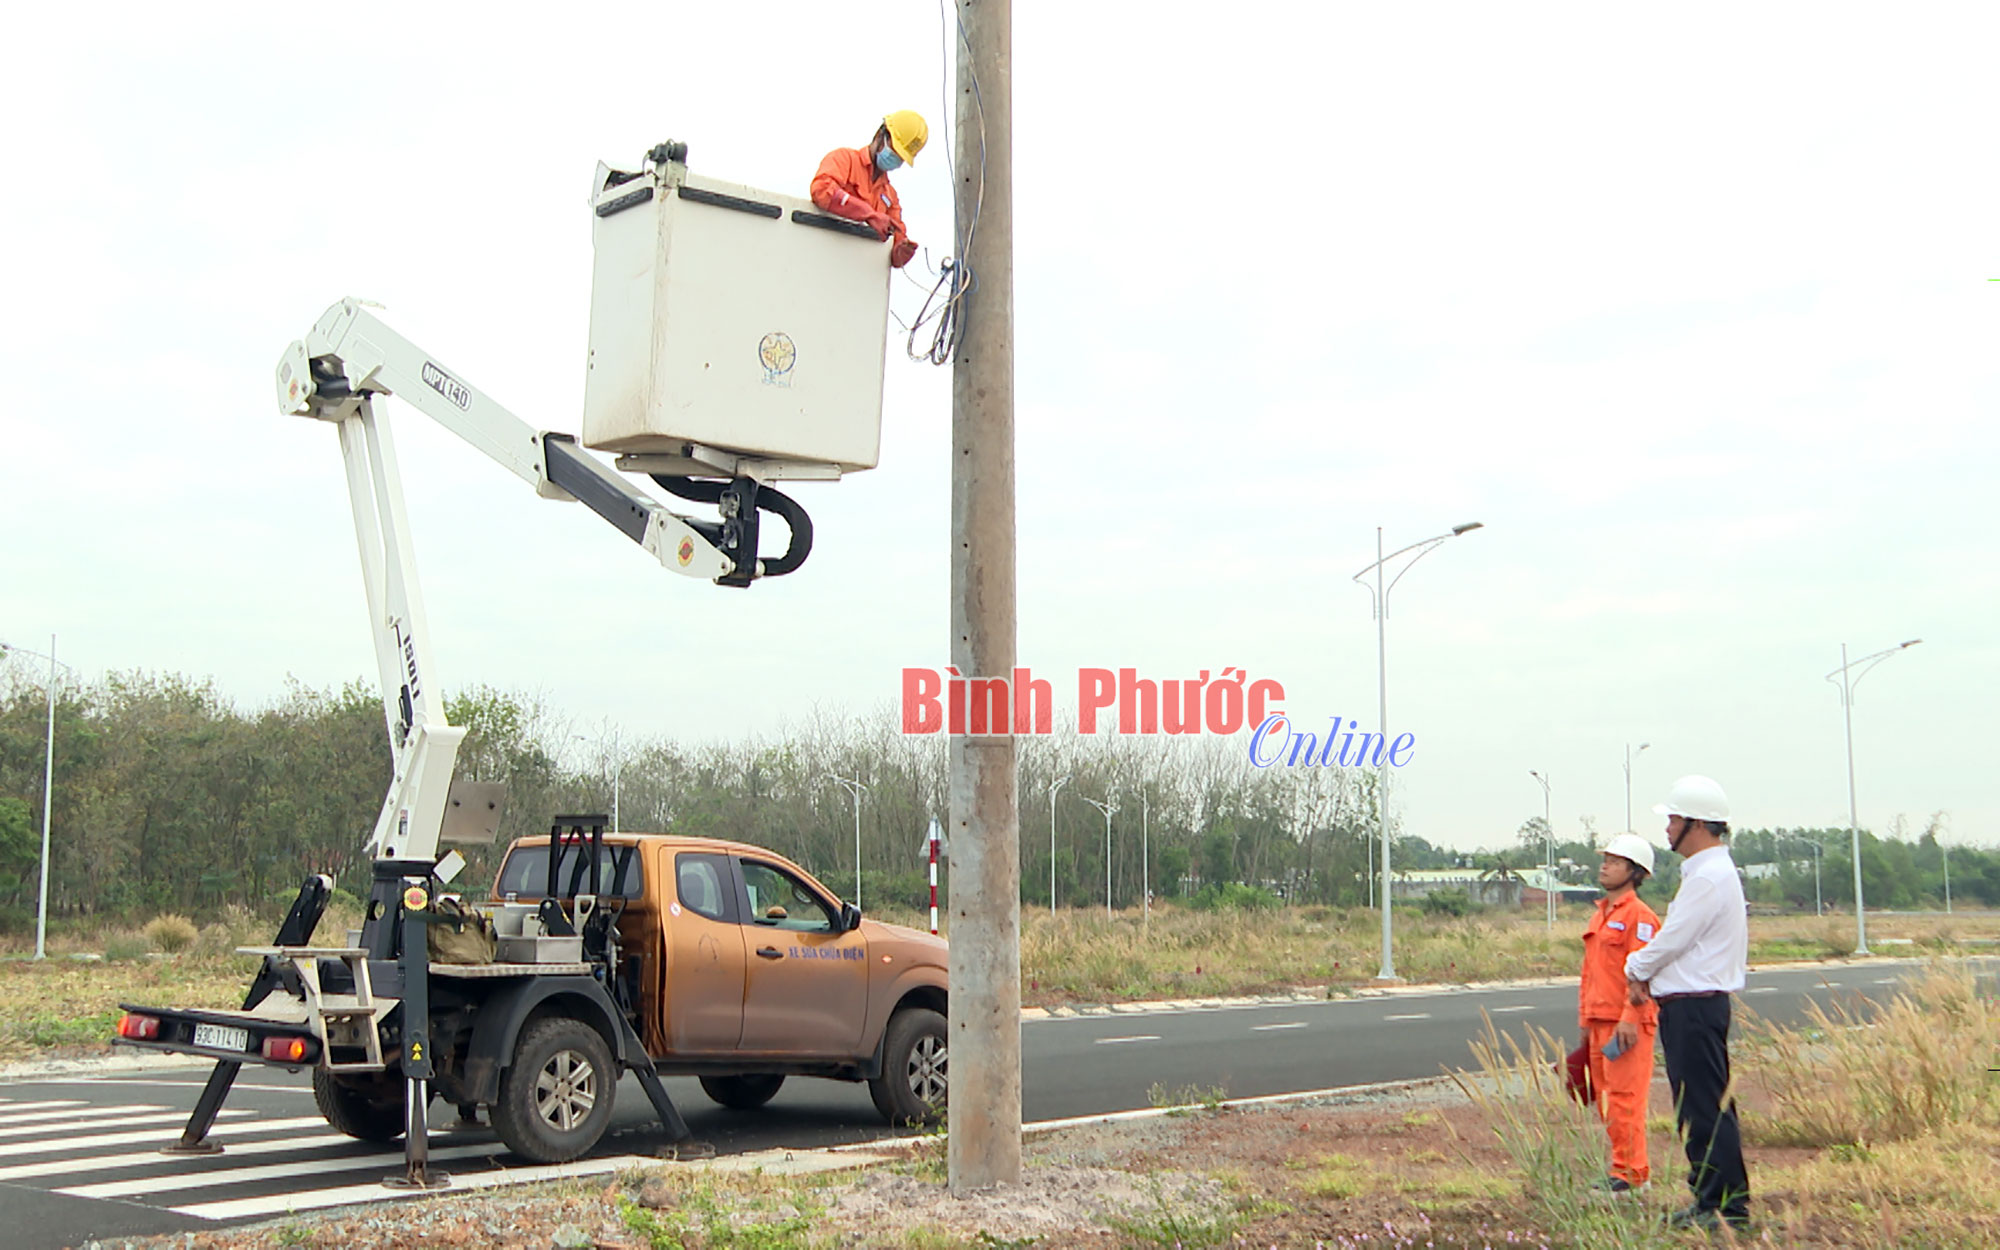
(367, 1108)
(915, 1078)
(743, 1093)
(555, 1098)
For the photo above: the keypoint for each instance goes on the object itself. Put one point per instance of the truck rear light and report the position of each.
(138, 1028)
(287, 1049)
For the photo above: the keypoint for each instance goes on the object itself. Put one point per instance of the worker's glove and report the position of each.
(901, 254)
(881, 223)
(854, 208)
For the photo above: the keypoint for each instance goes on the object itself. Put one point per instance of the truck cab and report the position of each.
(738, 966)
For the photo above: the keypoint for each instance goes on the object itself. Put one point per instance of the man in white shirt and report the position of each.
(1695, 962)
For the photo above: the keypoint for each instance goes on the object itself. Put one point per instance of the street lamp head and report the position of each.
(1467, 528)
(1911, 643)
(1644, 745)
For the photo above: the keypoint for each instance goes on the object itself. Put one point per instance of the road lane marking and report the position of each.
(40, 1118)
(110, 1117)
(142, 1136)
(1415, 1015)
(1763, 989)
(301, 1168)
(102, 1083)
(1516, 1007)
(345, 1195)
(137, 1159)
(1266, 1028)
(1137, 1037)
(11, 1107)
(1890, 981)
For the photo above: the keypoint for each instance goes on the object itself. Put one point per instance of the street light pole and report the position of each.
(1629, 753)
(1848, 680)
(1380, 590)
(617, 767)
(617, 774)
(854, 787)
(1109, 810)
(1053, 791)
(48, 790)
(1945, 855)
(1819, 908)
(1549, 867)
(1146, 862)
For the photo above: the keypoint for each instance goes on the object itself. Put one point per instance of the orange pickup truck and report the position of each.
(743, 969)
(610, 953)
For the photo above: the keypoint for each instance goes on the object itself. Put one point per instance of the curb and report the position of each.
(130, 1064)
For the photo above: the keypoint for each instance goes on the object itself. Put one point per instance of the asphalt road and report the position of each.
(79, 1156)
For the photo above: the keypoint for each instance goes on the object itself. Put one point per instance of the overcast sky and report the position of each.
(1692, 307)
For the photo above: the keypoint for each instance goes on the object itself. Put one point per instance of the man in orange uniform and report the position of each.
(1624, 1081)
(854, 182)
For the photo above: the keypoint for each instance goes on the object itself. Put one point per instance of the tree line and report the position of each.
(168, 796)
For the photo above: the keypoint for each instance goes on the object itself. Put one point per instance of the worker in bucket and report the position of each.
(1617, 1035)
(854, 182)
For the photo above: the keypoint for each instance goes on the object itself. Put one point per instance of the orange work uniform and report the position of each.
(848, 175)
(1623, 1084)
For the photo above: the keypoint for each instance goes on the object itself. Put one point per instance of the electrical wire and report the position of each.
(943, 311)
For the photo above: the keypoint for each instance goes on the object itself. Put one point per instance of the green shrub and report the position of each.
(1448, 903)
(1235, 896)
(126, 946)
(170, 933)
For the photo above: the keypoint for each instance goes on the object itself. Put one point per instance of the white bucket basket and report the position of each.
(732, 330)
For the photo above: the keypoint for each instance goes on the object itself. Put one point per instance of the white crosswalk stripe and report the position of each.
(344, 1195)
(155, 1137)
(144, 1158)
(324, 1165)
(288, 1163)
(8, 1108)
(106, 1117)
(40, 1118)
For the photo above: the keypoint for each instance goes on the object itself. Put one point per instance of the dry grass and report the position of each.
(1083, 956)
(1896, 1101)
(68, 1003)
(1864, 1073)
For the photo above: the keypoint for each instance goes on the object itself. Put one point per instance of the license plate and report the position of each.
(221, 1037)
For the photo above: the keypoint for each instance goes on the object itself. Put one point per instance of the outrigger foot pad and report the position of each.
(419, 1182)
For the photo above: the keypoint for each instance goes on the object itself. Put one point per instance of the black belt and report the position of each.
(1668, 998)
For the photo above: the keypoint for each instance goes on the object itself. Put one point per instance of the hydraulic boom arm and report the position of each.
(334, 375)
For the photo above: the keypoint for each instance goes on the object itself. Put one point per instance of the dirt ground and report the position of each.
(1412, 1167)
(1384, 1169)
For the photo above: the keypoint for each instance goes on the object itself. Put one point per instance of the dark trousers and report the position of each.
(1695, 1033)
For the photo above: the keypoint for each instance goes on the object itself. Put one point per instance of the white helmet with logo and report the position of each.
(1697, 798)
(1633, 847)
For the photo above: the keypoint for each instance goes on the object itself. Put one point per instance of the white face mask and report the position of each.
(887, 161)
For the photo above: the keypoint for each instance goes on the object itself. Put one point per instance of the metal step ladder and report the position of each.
(361, 1008)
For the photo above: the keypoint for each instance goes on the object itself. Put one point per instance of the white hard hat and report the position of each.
(1697, 798)
(1634, 848)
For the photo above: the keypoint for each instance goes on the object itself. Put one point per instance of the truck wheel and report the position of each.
(742, 1093)
(555, 1098)
(915, 1078)
(370, 1109)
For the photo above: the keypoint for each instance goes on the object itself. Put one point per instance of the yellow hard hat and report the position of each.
(907, 134)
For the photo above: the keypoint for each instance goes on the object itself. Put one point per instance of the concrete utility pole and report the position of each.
(984, 1147)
